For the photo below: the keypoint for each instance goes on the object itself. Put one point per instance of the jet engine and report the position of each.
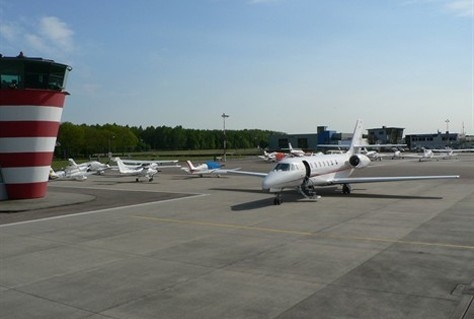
(359, 161)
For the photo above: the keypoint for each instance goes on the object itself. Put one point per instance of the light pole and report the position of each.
(224, 116)
(447, 125)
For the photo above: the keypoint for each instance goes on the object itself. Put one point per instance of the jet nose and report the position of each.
(265, 184)
(268, 182)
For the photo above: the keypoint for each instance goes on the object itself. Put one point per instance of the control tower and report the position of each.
(32, 95)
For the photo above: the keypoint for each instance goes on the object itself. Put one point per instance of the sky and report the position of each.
(282, 65)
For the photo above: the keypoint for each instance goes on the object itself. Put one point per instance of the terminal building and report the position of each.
(310, 142)
(382, 135)
(430, 141)
(385, 135)
(32, 95)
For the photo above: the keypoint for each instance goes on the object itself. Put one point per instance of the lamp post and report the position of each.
(447, 125)
(224, 116)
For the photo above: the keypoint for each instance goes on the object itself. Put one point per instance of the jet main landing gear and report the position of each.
(346, 189)
(277, 199)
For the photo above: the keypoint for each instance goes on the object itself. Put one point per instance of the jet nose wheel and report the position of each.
(277, 201)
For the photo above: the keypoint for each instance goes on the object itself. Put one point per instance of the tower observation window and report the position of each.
(32, 73)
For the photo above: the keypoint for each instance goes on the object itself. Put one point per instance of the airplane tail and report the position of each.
(356, 138)
(190, 165)
(120, 165)
(72, 162)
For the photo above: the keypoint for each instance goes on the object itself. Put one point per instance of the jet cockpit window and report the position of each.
(282, 167)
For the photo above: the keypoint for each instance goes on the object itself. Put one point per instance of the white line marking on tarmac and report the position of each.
(100, 211)
(121, 189)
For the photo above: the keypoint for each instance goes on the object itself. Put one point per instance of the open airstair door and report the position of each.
(308, 169)
(307, 188)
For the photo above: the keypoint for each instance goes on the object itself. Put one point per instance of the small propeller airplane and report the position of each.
(272, 156)
(95, 167)
(158, 163)
(69, 173)
(307, 172)
(209, 167)
(427, 155)
(139, 171)
(295, 151)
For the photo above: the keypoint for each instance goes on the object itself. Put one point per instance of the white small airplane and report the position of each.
(304, 173)
(448, 153)
(207, 168)
(372, 155)
(426, 156)
(273, 156)
(296, 152)
(69, 173)
(139, 171)
(397, 154)
(95, 167)
(157, 163)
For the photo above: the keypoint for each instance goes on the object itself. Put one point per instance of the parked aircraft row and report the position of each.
(373, 155)
(428, 154)
(137, 168)
(303, 173)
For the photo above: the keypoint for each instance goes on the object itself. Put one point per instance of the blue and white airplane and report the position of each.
(206, 168)
(307, 172)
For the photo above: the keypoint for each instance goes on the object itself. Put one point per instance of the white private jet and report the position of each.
(304, 173)
(207, 168)
(139, 171)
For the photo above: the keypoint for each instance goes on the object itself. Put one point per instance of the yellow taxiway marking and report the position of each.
(302, 233)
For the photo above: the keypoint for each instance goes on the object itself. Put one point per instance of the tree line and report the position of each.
(84, 140)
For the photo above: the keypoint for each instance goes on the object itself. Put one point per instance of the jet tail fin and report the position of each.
(356, 138)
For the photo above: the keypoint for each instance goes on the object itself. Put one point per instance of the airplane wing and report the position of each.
(361, 145)
(224, 171)
(355, 180)
(456, 150)
(379, 145)
(148, 162)
(239, 172)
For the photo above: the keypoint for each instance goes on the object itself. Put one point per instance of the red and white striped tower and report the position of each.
(31, 102)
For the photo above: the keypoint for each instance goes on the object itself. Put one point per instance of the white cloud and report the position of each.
(48, 36)
(461, 8)
(9, 31)
(57, 33)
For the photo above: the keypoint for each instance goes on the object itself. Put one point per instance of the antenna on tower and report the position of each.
(447, 125)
